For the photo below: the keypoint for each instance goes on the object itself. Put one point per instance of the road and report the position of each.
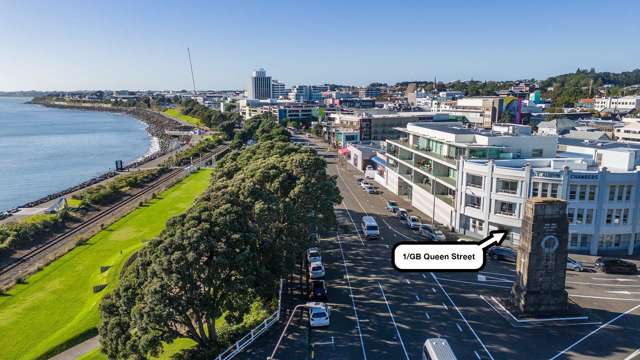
(379, 313)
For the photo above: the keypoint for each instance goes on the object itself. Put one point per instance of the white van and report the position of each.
(437, 349)
(370, 227)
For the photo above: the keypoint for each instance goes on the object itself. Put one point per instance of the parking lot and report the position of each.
(380, 313)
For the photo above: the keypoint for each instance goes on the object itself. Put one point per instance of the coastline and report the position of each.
(160, 144)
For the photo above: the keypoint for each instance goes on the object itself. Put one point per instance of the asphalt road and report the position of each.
(380, 313)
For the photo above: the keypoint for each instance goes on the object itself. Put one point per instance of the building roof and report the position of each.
(558, 124)
(601, 144)
(587, 135)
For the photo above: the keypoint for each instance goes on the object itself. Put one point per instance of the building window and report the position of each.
(620, 192)
(477, 225)
(534, 189)
(536, 153)
(580, 216)
(627, 194)
(544, 190)
(573, 190)
(570, 213)
(508, 186)
(582, 193)
(617, 217)
(612, 192)
(585, 241)
(625, 216)
(609, 218)
(592, 192)
(474, 181)
(589, 218)
(574, 240)
(505, 208)
(554, 190)
(473, 201)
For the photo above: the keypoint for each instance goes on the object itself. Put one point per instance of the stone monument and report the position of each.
(542, 258)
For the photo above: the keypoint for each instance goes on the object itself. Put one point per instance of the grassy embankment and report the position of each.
(175, 113)
(57, 306)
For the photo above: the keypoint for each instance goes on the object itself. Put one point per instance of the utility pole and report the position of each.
(193, 79)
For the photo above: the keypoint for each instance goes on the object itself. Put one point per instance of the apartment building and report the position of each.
(381, 126)
(616, 104)
(476, 181)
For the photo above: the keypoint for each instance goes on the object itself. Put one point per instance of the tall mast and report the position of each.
(193, 79)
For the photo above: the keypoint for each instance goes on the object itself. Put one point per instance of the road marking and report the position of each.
(602, 297)
(427, 315)
(486, 278)
(394, 321)
(424, 276)
(499, 274)
(351, 191)
(606, 285)
(445, 306)
(594, 331)
(616, 279)
(354, 224)
(531, 320)
(475, 283)
(477, 355)
(434, 290)
(633, 355)
(353, 302)
(623, 292)
(396, 231)
(408, 282)
(458, 326)
(417, 297)
(462, 316)
(387, 245)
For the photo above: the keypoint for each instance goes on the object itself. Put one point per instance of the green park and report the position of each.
(59, 305)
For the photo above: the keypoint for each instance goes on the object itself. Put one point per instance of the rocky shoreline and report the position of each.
(157, 124)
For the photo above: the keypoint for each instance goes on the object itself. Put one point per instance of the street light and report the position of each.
(273, 354)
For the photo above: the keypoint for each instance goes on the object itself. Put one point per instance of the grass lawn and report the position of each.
(175, 113)
(58, 303)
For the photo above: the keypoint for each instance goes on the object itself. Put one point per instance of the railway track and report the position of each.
(23, 262)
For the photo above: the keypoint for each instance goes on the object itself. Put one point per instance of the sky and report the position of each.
(140, 44)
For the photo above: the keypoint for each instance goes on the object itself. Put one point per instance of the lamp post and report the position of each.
(273, 354)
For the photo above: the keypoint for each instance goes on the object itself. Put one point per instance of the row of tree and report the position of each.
(248, 230)
(224, 122)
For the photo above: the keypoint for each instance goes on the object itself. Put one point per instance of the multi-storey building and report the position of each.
(616, 104)
(277, 89)
(477, 181)
(259, 85)
(381, 126)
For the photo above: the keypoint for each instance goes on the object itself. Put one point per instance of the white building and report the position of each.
(259, 85)
(617, 104)
(478, 181)
(630, 132)
(278, 89)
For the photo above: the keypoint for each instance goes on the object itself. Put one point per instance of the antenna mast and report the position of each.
(193, 79)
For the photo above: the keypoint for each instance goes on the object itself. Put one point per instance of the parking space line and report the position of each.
(458, 326)
(477, 355)
(427, 315)
(462, 316)
(445, 306)
(475, 283)
(633, 355)
(594, 331)
(353, 302)
(602, 297)
(424, 276)
(417, 297)
(394, 321)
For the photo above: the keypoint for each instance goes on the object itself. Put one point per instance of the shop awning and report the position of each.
(343, 151)
(379, 161)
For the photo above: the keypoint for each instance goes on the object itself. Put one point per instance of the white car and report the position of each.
(574, 265)
(316, 270)
(318, 314)
(432, 234)
(313, 255)
(364, 184)
(403, 214)
(413, 222)
(370, 189)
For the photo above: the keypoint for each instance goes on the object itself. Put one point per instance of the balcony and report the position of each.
(446, 159)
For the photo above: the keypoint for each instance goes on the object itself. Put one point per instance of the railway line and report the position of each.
(13, 270)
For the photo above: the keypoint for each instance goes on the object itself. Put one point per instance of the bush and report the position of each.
(25, 233)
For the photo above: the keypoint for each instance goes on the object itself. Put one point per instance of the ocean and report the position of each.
(46, 150)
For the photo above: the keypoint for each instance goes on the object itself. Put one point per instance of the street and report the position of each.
(380, 313)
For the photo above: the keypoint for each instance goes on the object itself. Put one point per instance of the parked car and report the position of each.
(431, 233)
(402, 214)
(369, 167)
(370, 190)
(360, 180)
(574, 265)
(502, 253)
(318, 314)
(316, 270)
(467, 239)
(318, 291)
(364, 184)
(313, 255)
(615, 266)
(392, 206)
(413, 222)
